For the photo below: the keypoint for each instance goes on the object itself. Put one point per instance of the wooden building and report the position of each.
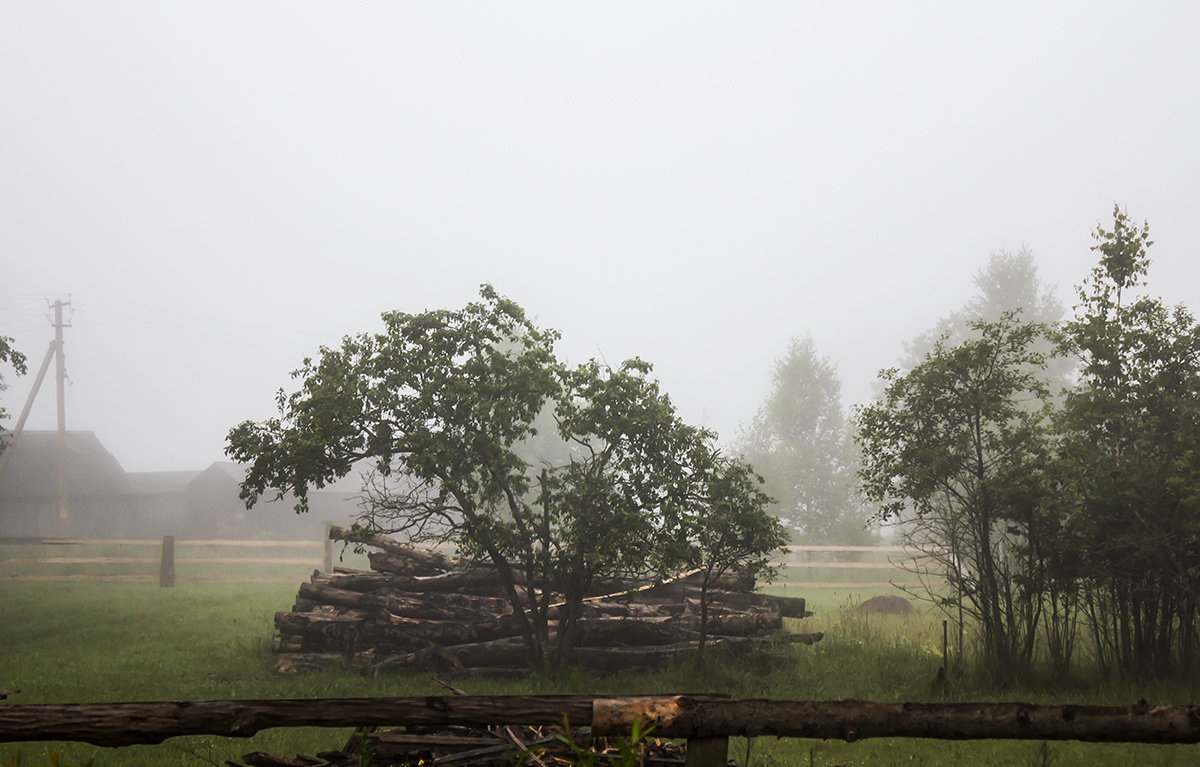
(76, 490)
(101, 500)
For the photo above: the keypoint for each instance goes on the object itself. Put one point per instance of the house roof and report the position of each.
(32, 469)
(159, 482)
(351, 484)
(227, 469)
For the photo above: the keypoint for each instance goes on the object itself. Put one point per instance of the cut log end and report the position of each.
(616, 716)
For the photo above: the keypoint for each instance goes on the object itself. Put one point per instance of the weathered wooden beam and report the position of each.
(683, 716)
(125, 724)
(851, 720)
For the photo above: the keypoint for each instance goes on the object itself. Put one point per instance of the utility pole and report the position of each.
(37, 384)
(55, 351)
(60, 371)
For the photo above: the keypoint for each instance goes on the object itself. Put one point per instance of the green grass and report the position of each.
(81, 642)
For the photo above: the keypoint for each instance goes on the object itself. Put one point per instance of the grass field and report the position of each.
(81, 641)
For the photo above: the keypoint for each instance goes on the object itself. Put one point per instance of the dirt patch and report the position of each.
(885, 604)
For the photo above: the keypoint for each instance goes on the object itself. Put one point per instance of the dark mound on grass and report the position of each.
(885, 604)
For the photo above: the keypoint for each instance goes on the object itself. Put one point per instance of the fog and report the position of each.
(220, 188)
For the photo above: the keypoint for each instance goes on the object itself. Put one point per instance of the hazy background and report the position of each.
(222, 187)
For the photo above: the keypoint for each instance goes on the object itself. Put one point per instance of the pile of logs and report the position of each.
(423, 610)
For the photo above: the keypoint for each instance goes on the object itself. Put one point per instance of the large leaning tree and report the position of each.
(446, 407)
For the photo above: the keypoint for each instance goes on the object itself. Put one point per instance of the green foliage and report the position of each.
(1045, 512)
(629, 749)
(957, 448)
(1130, 433)
(799, 442)
(730, 530)
(446, 406)
(1008, 285)
(17, 360)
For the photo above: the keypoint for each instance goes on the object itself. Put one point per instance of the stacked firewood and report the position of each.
(423, 610)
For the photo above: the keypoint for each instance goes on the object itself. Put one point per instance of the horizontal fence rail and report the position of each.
(673, 716)
(804, 566)
(142, 560)
(232, 543)
(851, 567)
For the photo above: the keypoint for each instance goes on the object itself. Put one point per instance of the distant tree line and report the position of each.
(1049, 472)
(802, 444)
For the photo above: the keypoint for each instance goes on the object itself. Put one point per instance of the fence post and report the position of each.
(166, 568)
(327, 565)
(707, 752)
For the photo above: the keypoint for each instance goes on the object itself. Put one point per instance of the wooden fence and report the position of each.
(161, 560)
(705, 721)
(847, 567)
(137, 560)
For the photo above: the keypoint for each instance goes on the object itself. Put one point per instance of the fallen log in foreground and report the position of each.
(127, 724)
(850, 720)
(679, 716)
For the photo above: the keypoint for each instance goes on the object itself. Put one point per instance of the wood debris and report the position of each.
(466, 747)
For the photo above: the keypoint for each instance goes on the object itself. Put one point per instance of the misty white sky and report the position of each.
(221, 187)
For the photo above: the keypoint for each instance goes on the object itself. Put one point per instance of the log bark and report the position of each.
(363, 581)
(481, 629)
(788, 607)
(509, 652)
(288, 643)
(406, 606)
(125, 724)
(433, 559)
(353, 626)
(605, 632)
(325, 622)
(851, 720)
(735, 624)
(610, 609)
(481, 581)
(387, 562)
